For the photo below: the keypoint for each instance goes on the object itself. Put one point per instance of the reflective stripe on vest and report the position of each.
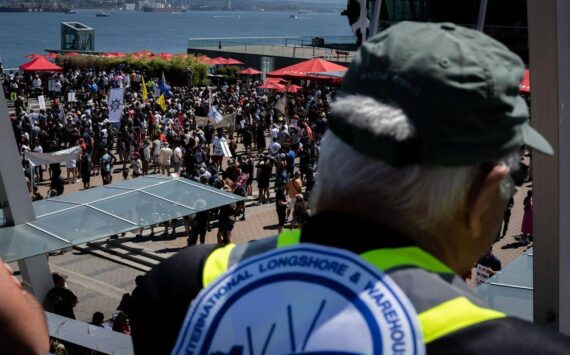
(216, 264)
(455, 312)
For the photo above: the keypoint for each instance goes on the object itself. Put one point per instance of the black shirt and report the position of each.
(490, 261)
(61, 301)
(161, 302)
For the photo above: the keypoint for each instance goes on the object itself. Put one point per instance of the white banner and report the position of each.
(42, 102)
(281, 104)
(60, 156)
(215, 115)
(116, 104)
(71, 96)
(226, 149)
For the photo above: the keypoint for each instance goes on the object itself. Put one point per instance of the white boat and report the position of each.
(102, 14)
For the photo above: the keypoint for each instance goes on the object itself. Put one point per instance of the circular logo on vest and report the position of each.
(305, 299)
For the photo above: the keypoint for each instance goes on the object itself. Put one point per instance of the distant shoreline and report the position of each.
(334, 8)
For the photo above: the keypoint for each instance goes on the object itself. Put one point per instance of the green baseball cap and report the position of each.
(459, 87)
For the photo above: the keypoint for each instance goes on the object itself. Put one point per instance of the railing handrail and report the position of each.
(88, 336)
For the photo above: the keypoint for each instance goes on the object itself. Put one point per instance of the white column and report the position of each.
(17, 204)
(36, 275)
(549, 30)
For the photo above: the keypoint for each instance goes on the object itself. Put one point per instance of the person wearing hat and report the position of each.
(415, 172)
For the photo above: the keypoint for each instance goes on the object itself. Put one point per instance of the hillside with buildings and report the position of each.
(204, 5)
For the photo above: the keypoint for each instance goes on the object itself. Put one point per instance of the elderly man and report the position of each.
(415, 173)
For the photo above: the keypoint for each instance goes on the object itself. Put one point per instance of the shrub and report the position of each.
(175, 69)
(229, 72)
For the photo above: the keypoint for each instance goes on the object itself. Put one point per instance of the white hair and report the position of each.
(413, 199)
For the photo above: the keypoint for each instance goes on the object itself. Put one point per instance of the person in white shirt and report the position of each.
(57, 88)
(177, 158)
(164, 159)
(274, 147)
(136, 164)
(37, 85)
(274, 131)
(156, 144)
(218, 154)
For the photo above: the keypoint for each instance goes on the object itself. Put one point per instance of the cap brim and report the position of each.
(536, 141)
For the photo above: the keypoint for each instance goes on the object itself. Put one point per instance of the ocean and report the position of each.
(129, 31)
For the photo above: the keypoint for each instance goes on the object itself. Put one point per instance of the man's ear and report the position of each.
(483, 190)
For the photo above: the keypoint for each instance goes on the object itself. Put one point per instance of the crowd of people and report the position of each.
(266, 144)
(274, 150)
(426, 205)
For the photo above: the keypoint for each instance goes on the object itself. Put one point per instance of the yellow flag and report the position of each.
(161, 102)
(144, 90)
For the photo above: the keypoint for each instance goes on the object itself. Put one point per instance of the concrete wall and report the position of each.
(254, 60)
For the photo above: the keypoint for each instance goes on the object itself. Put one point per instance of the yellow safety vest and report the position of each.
(440, 297)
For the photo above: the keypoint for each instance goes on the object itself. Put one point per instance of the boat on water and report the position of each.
(70, 12)
(294, 17)
(102, 14)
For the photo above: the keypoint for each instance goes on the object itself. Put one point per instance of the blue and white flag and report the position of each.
(164, 87)
(116, 104)
(215, 115)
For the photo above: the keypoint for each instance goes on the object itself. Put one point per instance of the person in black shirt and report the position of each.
(491, 261)
(281, 206)
(57, 182)
(97, 319)
(59, 299)
(226, 220)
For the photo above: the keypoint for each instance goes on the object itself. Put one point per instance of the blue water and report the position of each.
(128, 31)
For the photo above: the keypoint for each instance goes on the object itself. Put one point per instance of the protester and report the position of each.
(489, 260)
(411, 191)
(527, 222)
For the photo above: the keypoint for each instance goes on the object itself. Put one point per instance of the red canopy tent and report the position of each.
(34, 56)
(272, 85)
(302, 70)
(70, 54)
(524, 85)
(217, 61)
(291, 89)
(204, 59)
(250, 71)
(165, 55)
(51, 55)
(40, 64)
(232, 61)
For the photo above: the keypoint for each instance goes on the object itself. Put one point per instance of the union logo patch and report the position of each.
(305, 299)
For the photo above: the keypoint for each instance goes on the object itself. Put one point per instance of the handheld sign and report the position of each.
(226, 149)
(483, 274)
(42, 102)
